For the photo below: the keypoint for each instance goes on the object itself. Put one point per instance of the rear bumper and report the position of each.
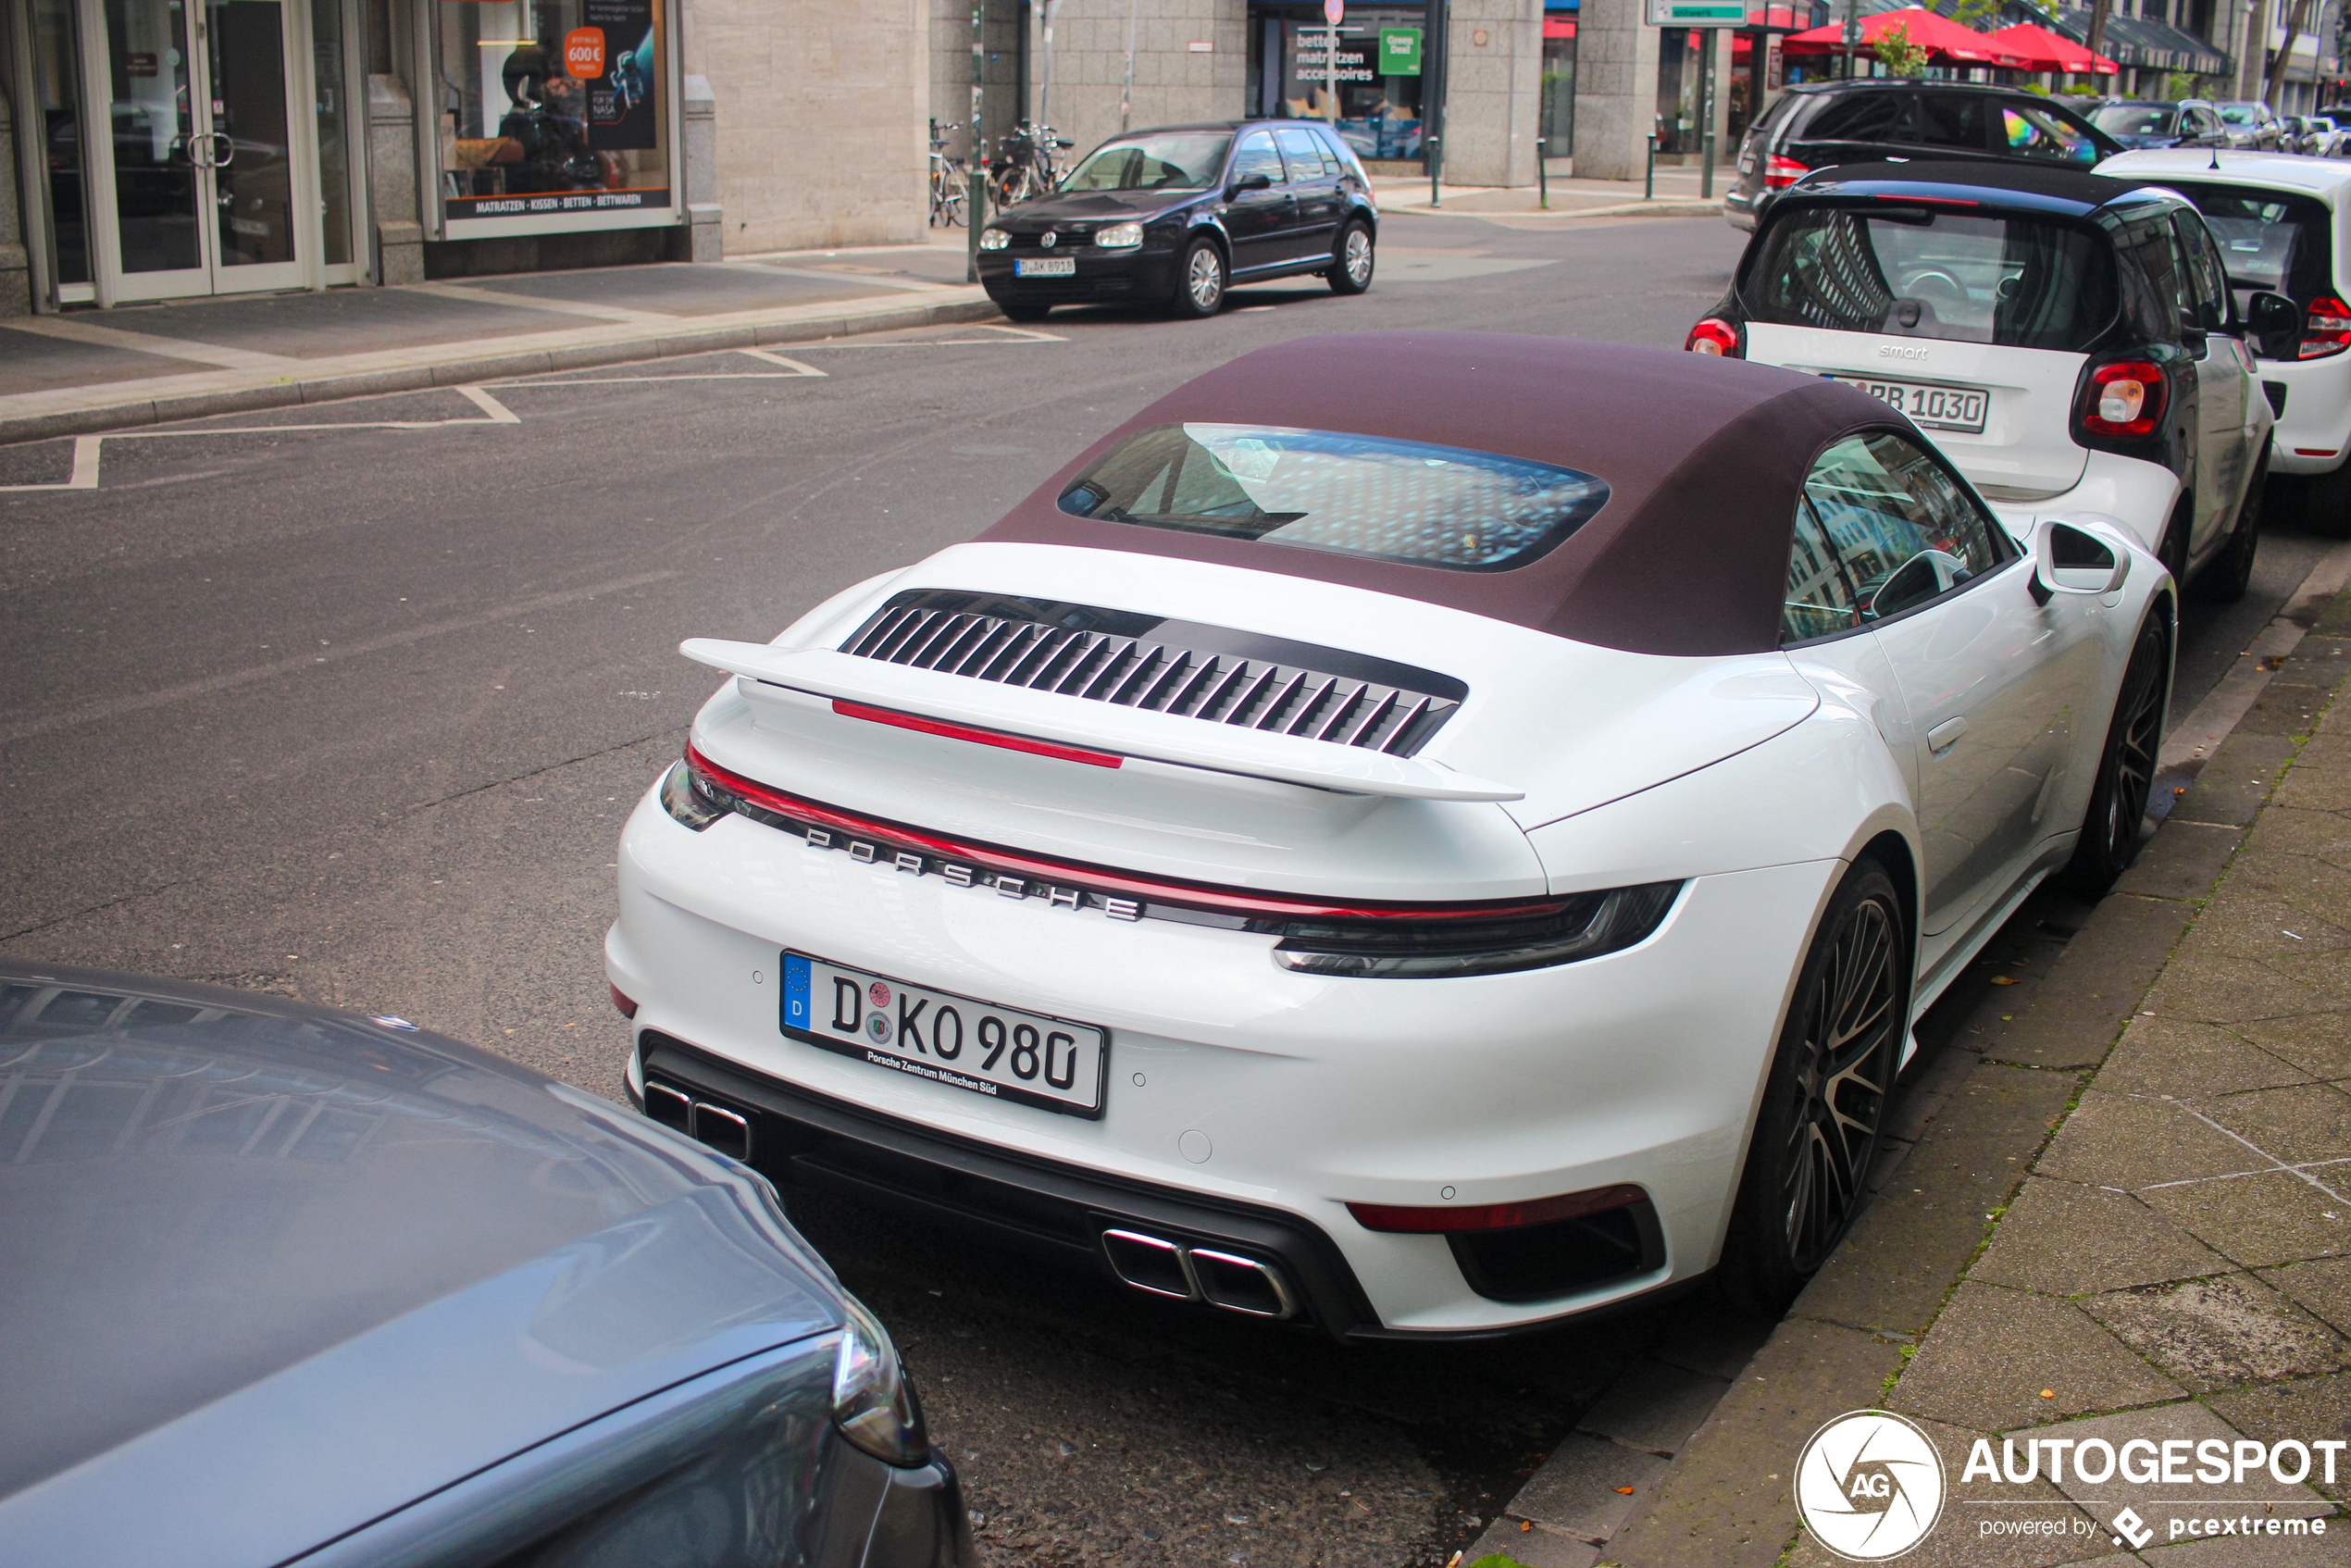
(2313, 431)
(1745, 208)
(2138, 493)
(1247, 1104)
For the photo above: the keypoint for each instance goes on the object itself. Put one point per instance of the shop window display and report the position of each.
(552, 107)
(1377, 110)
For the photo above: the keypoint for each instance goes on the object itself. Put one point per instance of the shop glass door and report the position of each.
(202, 164)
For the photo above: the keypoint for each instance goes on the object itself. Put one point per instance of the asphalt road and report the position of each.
(357, 715)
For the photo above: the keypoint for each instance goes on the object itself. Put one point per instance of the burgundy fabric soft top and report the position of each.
(1703, 458)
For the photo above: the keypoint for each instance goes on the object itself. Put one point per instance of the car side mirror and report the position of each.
(2276, 324)
(1249, 182)
(2067, 559)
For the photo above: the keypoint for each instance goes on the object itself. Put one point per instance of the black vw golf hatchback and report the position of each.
(1176, 216)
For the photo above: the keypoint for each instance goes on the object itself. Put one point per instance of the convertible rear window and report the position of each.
(1982, 277)
(2268, 240)
(1324, 490)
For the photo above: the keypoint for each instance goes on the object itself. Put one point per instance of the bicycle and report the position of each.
(1030, 166)
(950, 182)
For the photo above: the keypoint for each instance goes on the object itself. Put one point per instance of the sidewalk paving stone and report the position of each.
(1993, 1350)
(2128, 1141)
(2186, 1421)
(2301, 1410)
(2319, 1044)
(1575, 1492)
(2168, 1058)
(2322, 1286)
(2208, 1335)
(1951, 1546)
(2267, 1218)
(1653, 1406)
(2063, 1239)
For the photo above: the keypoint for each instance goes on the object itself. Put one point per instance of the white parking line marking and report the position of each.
(87, 449)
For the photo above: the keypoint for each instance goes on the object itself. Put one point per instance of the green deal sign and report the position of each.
(1400, 50)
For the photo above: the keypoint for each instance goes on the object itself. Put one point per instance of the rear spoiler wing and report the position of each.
(1045, 715)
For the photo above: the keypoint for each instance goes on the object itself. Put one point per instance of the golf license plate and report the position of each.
(958, 1040)
(1046, 267)
(1930, 407)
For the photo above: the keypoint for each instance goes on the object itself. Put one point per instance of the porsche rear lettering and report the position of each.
(962, 876)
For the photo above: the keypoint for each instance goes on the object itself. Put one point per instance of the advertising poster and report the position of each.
(621, 98)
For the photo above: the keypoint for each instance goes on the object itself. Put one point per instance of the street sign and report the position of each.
(1400, 50)
(1696, 13)
(1334, 11)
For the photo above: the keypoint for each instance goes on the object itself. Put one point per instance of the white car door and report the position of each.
(1971, 323)
(1996, 688)
(2217, 475)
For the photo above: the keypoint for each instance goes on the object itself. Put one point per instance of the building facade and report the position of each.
(257, 145)
(254, 145)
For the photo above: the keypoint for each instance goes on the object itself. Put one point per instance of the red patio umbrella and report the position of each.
(2044, 50)
(1944, 39)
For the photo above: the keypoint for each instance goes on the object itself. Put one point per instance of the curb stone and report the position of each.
(134, 410)
(1973, 1121)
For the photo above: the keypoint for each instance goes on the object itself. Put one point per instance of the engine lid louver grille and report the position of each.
(1197, 671)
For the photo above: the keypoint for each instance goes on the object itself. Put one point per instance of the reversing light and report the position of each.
(1779, 173)
(1402, 1220)
(1717, 337)
(687, 797)
(2123, 399)
(2327, 328)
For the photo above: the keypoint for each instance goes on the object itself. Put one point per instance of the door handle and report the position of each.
(1939, 738)
(219, 139)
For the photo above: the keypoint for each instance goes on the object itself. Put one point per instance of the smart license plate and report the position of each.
(1930, 407)
(1046, 267)
(1002, 1053)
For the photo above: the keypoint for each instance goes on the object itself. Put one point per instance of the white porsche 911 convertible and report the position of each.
(1421, 866)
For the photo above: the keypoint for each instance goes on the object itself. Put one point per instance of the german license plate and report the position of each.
(1930, 407)
(998, 1052)
(1046, 267)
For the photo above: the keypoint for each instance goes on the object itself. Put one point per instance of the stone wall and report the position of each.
(15, 274)
(1615, 89)
(1172, 82)
(820, 111)
(1493, 99)
(951, 67)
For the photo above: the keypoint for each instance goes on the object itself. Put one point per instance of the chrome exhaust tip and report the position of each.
(1227, 1280)
(1242, 1285)
(1149, 1264)
(726, 1131)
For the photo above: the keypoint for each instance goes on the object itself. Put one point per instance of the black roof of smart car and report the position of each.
(2017, 186)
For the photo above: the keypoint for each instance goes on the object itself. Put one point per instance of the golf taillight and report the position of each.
(1715, 336)
(2123, 399)
(1779, 173)
(2327, 328)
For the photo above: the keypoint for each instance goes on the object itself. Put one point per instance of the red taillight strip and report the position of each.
(1228, 901)
(981, 737)
(1398, 1219)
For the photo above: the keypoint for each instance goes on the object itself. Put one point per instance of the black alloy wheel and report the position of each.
(1200, 281)
(2226, 576)
(1824, 1102)
(2111, 828)
(1351, 260)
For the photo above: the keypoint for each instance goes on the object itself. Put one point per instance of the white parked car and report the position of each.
(2283, 224)
(1420, 866)
(2068, 341)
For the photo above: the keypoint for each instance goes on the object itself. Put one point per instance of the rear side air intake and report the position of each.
(1204, 672)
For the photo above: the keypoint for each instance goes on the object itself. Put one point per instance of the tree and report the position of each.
(1982, 15)
(1898, 54)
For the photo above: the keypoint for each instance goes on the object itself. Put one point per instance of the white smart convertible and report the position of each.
(1420, 866)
